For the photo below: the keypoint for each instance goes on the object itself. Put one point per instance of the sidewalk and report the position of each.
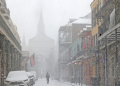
(73, 84)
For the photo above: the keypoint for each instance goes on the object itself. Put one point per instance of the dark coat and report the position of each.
(47, 76)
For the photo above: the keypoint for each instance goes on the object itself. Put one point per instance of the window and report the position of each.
(96, 39)
(97, 8)
(100, 5)
(94, 17)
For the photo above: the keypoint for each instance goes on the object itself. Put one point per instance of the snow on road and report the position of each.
(42, 82)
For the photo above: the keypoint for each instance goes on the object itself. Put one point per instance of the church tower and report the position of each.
(41, 27)
(41, 44)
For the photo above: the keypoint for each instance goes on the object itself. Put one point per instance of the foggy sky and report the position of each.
(25, 14)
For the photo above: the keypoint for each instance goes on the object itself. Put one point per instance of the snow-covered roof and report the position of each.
(82, 21)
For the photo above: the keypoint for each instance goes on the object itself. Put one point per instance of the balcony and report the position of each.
(89, 52)
(64, 42)
(102, 28)
(81, 53)
(107, 8)
(61, 61)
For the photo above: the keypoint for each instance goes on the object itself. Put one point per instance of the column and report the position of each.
(10, 64)
(12, 57)
(20, 62)
(106, 63)
(17, 60)
(117, 60)
(2, 41)
(7, 57)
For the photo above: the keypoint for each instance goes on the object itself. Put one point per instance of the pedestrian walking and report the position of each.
(47, 78)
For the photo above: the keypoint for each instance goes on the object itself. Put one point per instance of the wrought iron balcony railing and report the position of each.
(89, 52)
(103, 27)
(102, 9)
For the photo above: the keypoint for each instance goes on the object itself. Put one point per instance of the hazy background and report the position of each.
(25, 14)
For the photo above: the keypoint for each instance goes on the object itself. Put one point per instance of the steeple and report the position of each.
(41, 28)
(23, 43)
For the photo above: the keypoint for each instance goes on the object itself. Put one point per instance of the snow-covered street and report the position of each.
(42, 82)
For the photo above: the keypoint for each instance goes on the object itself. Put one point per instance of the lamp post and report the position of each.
(71, 70)
(75, 72)
(79, 71)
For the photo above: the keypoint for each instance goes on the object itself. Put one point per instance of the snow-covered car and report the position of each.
(35, 75)
(31, 78)
(17, 78)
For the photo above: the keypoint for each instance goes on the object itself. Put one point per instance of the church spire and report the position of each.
(41, 28)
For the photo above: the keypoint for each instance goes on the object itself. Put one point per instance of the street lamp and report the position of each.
(75, 63)
(71, 71)
(79, 71)
(75, 67)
